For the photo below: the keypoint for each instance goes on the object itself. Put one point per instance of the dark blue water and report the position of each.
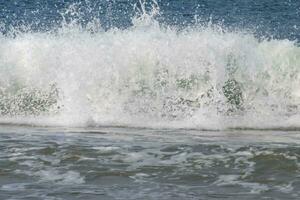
(275, 19)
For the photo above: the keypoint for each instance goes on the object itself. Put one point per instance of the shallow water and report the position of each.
(134, 163)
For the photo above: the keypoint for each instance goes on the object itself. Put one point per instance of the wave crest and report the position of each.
(149, 75)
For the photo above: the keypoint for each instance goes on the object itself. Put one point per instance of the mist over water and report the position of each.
(81, 71)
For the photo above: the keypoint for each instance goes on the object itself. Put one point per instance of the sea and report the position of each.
(149, 99)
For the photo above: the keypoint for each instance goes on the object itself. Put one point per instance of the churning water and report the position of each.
(167, 68)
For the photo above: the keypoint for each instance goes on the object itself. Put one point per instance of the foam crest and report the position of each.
(148, 75)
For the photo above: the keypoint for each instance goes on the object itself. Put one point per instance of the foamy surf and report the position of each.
(148, 75)
(165, 106)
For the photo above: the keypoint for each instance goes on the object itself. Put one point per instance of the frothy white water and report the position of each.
(149, 75)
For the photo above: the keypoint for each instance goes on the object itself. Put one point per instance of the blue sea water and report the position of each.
(277, 19)
(171, 99)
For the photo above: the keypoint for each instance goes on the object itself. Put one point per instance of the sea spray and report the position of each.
(149, 74)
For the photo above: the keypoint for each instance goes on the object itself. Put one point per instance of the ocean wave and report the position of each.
(149, 74)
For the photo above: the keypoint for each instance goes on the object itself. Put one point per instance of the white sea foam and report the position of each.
(149, 75)
(225, 180)
(69, 177)
(109, 149)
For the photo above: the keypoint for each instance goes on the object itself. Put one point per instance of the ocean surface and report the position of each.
(171, 100)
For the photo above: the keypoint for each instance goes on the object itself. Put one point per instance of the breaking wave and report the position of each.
(149, 74)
